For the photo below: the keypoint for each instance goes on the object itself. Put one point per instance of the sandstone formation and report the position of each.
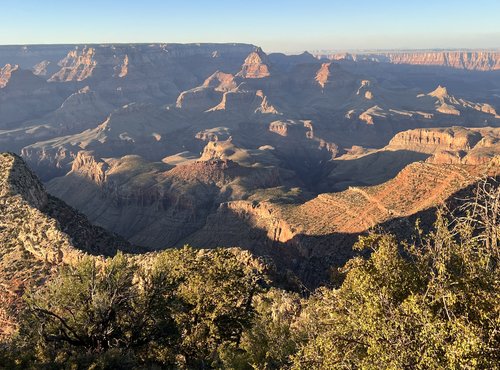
(480, 61)
(369, 115)
(451, 145)
(255, 65)
(323, 74)
(5, 73)
(77, 66)
(41, 69)
(221, 81)
(448, 104)
(470, 60)
(243, 100)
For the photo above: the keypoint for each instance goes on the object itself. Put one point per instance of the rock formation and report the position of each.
(323, 74)
(451, 145)
(77, 66)
(166, 143)
(41, 69)
(37, 233)
(221, 81)
(256, 65)
(470, 60)
(5, 73)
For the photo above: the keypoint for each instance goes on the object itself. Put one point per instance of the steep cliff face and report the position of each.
(77, 66)
(42, 68)
(477, 60)
(49, 228)
(291, 128)
(257, 226)
(17, 180)
(88, 167)
(37, 233)
(323, 74)
(134, 61)
(469, 60)
(221, 81)
(6, 73)
(122, 68)
(19, 83)
(431, 140)
(256, 65)
(49, 162)
(310, 236)
(264, 106)
(451, 145)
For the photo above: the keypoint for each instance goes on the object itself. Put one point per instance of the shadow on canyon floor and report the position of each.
(313, 259)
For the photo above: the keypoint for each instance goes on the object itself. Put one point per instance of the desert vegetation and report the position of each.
(429, 302)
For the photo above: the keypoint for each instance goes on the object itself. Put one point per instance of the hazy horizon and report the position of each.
(281, 26)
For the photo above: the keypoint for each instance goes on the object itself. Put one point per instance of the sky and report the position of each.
(275, 25)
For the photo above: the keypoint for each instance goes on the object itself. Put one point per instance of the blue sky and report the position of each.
(276, 25)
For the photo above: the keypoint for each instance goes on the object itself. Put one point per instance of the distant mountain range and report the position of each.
(474, 60)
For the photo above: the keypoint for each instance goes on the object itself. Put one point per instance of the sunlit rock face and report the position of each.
(470, 60)
(256, 65)
(6, 73)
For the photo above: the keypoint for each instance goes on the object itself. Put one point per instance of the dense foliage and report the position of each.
(426, 304)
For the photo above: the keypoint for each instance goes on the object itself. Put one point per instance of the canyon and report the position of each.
(289, 156)
(487, 60)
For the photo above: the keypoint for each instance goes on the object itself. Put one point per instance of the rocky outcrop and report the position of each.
(264, 107)
(256, 215)
(77, 66)
(41, 69)
(371, 114)
(256, 65)
(455, 145)
(323, 74)
(62, 233)
(217, 150)
(363, 90)
(449, 104)
(292, 128)
(430, 140)
(440, 92)
(6, 73)
(204, 97)
(89, 167)
(221, 81)
(214, 134)
(122, 68)
(448, 109)
(17, 180)
(245, 101)
(37, 233)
